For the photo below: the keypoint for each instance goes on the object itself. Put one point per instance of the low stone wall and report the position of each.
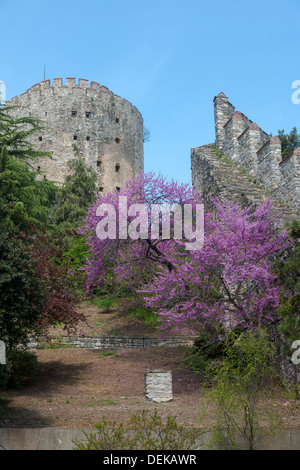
(113, 342)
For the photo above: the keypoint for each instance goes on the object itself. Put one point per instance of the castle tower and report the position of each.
(106, 130)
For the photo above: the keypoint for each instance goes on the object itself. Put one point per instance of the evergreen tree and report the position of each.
(77, 193)
(15, 134)
(289, 142)
(24, 200)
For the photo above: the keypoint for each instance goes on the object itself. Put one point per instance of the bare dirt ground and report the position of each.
(116, 322)
(75, 388)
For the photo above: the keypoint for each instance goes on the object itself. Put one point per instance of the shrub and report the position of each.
(206, 349)
(145, 314)
(21, 367)
(245, 376)
(4, 376)
(106, 303)
(144, 433)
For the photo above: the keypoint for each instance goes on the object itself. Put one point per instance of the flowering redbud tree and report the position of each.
(122, 237)
(229, 281)
(225, 280)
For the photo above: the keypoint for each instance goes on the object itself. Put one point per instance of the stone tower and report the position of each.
(106, 130)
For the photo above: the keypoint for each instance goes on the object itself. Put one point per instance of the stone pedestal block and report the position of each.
(158, 386)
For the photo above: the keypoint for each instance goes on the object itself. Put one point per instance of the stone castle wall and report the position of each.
(246, 144)
(214, 175)
(244, 165)
(106, 129)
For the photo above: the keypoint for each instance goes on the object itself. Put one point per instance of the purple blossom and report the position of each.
(229, 281)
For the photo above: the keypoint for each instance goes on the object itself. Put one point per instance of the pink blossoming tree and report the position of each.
(133, 261)
(228, 281)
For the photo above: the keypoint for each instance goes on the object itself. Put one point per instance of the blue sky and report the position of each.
(168, 58)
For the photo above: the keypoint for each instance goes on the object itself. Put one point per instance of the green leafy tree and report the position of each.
(24, 200)
(22, 298)
(33, 288)
(289, 142)
(16, 133)
(288, 271)
(21, 292)
(76, 194)
(241, 383)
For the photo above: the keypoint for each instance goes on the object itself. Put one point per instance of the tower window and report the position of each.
(117, 188)
(98, 163)
(38, 168)
(117, 140)
(88, 137)
(46, 113)
(100, 189)
(74, 113)
(117, 167)
(40, 138)
(117, 120)
(74, 137)
(87, 114)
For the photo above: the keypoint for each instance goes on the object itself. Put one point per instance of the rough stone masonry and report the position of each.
(158, 386)
(106, 129)
(252, 151)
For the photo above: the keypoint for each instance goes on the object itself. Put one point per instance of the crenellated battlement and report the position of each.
(71, 85)
(245, 143)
